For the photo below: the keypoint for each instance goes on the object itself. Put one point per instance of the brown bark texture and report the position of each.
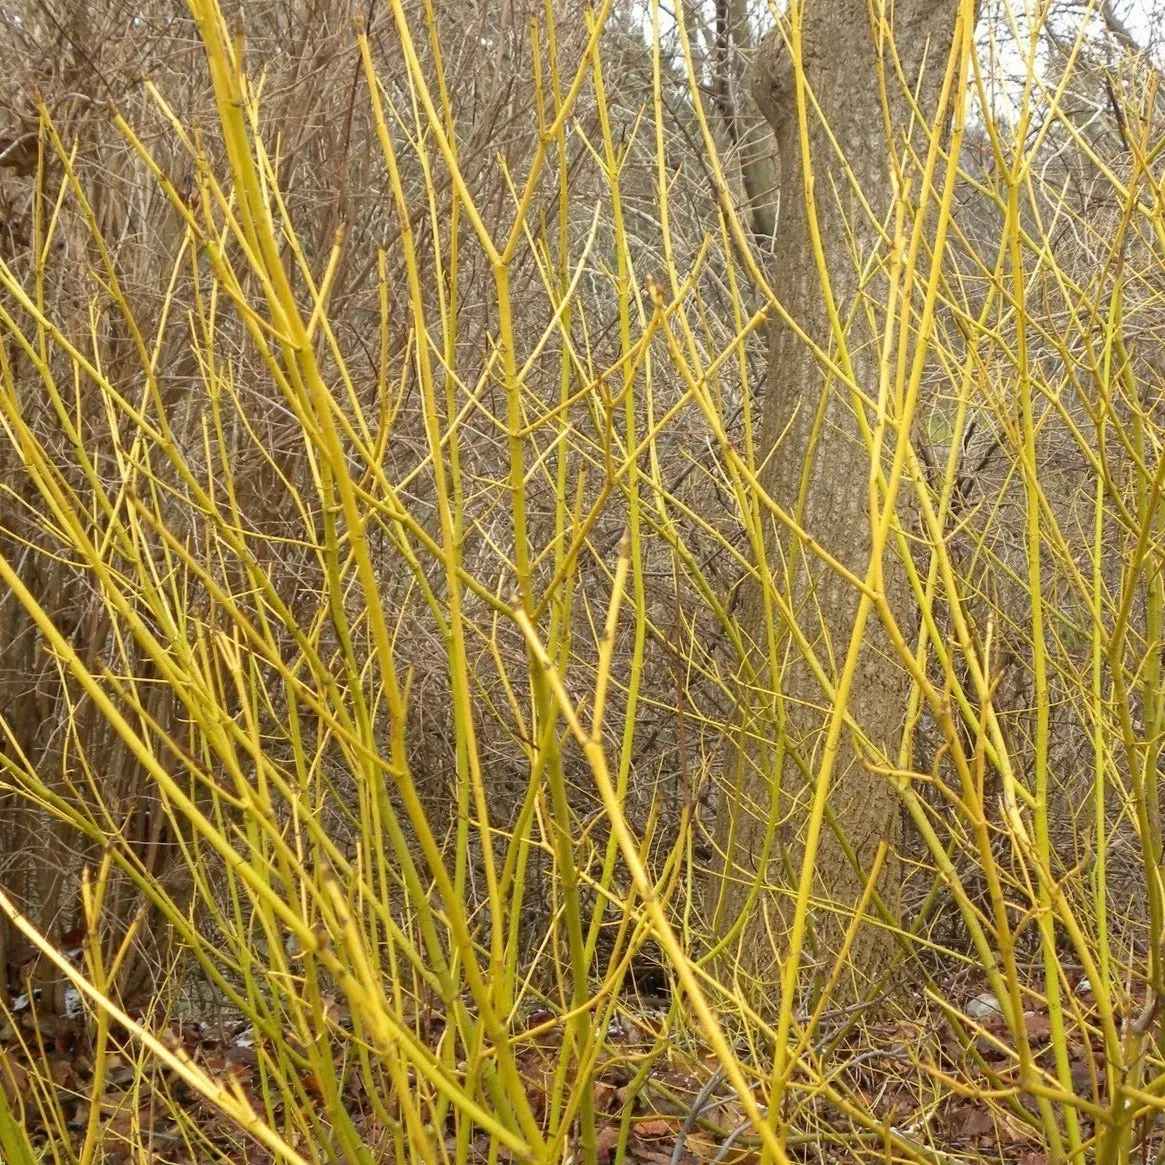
(816, 465)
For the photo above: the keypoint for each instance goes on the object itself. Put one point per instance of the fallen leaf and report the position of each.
(606, 1141)
(1037, 1024)
(976, 1123)
(653, 1129)
(13, 1077)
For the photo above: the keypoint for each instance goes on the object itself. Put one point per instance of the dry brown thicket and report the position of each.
(76, 62)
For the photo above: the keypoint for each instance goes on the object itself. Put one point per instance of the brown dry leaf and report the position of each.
(1037, 1024)
(659, 1157)
(1013, 1131)
(538, 1070)
(706, 1147)
(121, 1126)
(655, 1128)
(606, 1141)
(604, 1094)
(1082, 1072)
(13, 1077)
(62, 1073)
(976, 1123)
(49, 1026)
(897, 1106)
(240, 1055)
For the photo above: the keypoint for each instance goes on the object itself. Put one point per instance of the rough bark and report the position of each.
(824, 476)
(749, 137)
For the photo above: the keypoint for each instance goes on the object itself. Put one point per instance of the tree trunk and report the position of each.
(817, 466)
(748, 135)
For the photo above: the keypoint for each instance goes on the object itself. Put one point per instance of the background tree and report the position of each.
(849, 121)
